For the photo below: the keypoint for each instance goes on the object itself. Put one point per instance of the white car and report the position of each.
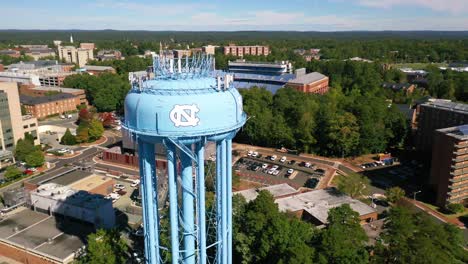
(283, 159)
(307, 165)
(270, 171)
(119, 186)
(290, 171)
(63, 151)
(249, 153)
(264, 166)
(273, 158)
(255, 154)
(276, 172)
(275, 167)
(135, 183)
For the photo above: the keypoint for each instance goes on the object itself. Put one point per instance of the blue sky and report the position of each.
(304, 15)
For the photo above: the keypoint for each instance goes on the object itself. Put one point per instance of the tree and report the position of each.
(415, 238)
(107, 119)
(95, 130)
(456, 208)
(23, 148)
(68, 138)
(262, 234)
(105, 247)
(344, 240)
(12, 173)
(394, 194)
(35, 159)
(354, 185)
(82, 134)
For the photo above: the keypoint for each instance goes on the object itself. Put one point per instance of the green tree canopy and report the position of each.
(12, 173)
(68, 138)
(105, 247)
(35, 158)
(354, 185)
(394, 194)
(23, 148)
(95, 130)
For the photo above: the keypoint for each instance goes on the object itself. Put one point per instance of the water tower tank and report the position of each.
(185, 105)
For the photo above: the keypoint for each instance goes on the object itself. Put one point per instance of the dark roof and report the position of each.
(308, 78)
(396, 86)
(31, 100)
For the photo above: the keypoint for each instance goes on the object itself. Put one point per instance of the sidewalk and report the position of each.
(436, 214)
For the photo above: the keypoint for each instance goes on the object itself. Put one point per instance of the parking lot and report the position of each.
(279, 169)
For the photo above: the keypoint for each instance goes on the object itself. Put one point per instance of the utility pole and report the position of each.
(414, 195)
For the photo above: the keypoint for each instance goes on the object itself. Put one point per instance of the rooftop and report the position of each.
(31, 100)
(70, 196)
(58, 89)
(97, 68)
(308, 78)
(458, 132)
(90, 182)
(46, 235)
(447, 105)
(278, 190)
(318, 202)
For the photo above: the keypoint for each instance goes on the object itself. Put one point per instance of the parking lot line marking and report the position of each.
(29, 227)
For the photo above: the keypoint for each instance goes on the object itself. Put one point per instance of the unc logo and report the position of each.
(184, 115)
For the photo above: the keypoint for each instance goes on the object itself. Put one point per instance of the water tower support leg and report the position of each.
(149, 201)
(219, 212)
(229, 200)
(224, 199)
(173, 209)
(201, 203)
(188, 210)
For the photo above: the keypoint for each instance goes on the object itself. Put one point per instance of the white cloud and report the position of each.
(452, 6)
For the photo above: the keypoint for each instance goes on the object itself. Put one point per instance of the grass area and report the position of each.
(336, 179)
(418, 65)
(441, 211)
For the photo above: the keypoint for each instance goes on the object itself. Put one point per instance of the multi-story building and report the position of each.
(310, 83)
(96, 70)
(437, 114)
(90, 46)
(72, 54)
(266, 68)
(11, 53)
(449, 169)
(44, 106)
(32, 90)
(182, 53)
(240, 51)
(39, 53)
(12, 124)
(105, 55)
(209, 49)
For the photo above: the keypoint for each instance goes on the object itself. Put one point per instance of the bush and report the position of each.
(456, 208)
(68, 138)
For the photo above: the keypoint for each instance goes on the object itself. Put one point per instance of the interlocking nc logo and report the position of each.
(185, 115)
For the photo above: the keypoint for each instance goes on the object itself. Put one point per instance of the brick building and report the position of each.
(310, 83)
(437, 114)
(96, 70)
(240, 51)
(44, 106)
(11, 53)
(35, 91)
(449, 170)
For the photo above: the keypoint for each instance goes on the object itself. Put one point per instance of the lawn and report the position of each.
(439, 210)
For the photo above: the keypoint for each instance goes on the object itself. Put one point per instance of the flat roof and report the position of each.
(318, 202)
(90, 182)
(58, 89)
(69, 176)
(31, 100)
(50, 236)
(458, 132)
(447, 105)
(97, 68)
(308, 78)
(278, 190)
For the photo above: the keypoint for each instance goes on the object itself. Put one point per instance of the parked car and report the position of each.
(119, 186)
(307, 165)
(276, 172)
(270, 171)
(273, 158)
(249, 153)
(283, 159)
(264, 166)
(311, 183)
(255, 154)
(290, 171)
(121, 192)
(292, 162)
(135, 183)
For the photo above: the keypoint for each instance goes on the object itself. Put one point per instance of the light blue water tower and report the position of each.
(183, 107)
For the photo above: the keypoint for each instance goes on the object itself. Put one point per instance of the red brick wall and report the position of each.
(22, 256)
(128, 160)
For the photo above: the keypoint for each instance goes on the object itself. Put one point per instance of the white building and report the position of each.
(72, 54)
(57, 199)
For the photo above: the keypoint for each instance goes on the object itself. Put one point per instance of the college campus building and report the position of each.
(312, 206)
(449, 168)
(240, 51)
(106, 55)
(79, 56)
(13, 125)
(43, 106)
(275, 75)
(39, 52)
(437, 114)
(37, 91)
(97, 70)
